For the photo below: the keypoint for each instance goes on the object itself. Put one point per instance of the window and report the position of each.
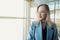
(12, 15)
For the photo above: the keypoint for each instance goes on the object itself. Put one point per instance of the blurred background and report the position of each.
(16, 17)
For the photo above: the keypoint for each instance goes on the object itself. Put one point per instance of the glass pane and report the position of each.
(13, 8)
(51, 5)
(58, 21)
(58, 4)
(11, 29)
(33, 12)
(58, 16)
(51, 0)
(52, 16)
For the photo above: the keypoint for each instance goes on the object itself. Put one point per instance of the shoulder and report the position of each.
(54, 26)
(32, 25)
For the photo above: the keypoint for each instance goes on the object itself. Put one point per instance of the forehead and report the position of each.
(42, 8)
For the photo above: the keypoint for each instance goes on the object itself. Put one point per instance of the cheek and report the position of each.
(38, 15)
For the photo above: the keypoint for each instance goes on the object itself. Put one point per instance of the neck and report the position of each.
(43, 24)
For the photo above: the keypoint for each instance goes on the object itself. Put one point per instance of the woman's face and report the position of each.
(42, 13)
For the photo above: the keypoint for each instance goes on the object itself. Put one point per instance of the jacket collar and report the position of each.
(39, 32)
(49, 33)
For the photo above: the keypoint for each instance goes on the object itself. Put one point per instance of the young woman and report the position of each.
(43, 28)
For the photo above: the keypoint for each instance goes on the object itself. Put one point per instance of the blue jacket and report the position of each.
(35, 33)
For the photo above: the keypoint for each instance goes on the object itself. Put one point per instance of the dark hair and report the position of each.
(45, 5)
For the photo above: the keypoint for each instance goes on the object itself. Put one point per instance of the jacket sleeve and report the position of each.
(31, 32)
(55, 37)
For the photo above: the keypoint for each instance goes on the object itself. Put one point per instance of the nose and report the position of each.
(40, 15)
